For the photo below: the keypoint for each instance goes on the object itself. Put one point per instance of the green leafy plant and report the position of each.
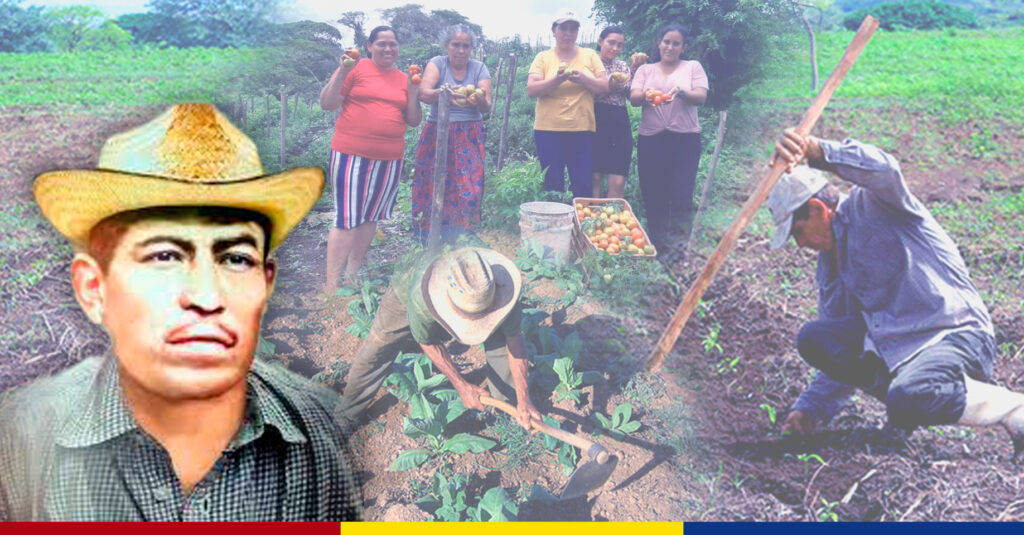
(565, 453)
(619, 424)
(710, 340)
(495, 506)
(827, 513)
(364, 309)
(431, 428)
(415, 382)
(447, 500)
(532, 262)
(446, 497)
(770, 410)
(559, 359)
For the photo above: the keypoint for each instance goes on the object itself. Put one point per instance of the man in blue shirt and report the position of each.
(898, 314)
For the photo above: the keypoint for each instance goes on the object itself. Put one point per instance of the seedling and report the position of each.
(770, 410)
(619, 425)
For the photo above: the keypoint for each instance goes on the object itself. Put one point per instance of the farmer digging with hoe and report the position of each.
(178, 421)
(469, 294)
(898, 314)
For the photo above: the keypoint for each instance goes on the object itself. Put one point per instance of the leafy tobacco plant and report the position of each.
(619, 424)
(565, 453)
(447, 501)
(364, 309)
(431, 410)
(557, 359)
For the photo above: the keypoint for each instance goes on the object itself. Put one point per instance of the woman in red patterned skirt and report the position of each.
(464, 186)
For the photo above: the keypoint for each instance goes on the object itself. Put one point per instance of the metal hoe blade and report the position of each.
(589, 476)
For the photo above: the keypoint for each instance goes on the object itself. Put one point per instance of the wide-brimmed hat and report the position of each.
(191, 155)
(790, 193)
(470, 292)
(566, 15)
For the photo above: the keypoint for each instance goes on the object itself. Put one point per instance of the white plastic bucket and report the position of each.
(550, 224)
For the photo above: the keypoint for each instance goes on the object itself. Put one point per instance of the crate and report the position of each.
(582, 245)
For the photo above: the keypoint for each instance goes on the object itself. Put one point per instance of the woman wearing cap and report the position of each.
(564, 81)
(613, 140)
(464, 186)
(668, 141)
(377, 102)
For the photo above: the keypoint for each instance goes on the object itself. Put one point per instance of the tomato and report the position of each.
(656, 101)
(603, 244)
(416, 79)
(587, 212)
(614, 240)
(639, 242)
(648, 249)
(613, 249)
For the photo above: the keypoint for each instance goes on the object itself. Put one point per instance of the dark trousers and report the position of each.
(558, 150)
(928, 389)
(667, 164)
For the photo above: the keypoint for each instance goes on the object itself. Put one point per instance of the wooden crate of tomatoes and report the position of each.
(610, 226)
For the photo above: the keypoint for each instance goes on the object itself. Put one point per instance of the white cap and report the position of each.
(789, 194)
(565, 15)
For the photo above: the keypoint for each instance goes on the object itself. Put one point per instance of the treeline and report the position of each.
(166, 23)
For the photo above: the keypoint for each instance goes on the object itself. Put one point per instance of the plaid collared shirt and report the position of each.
(70, 450)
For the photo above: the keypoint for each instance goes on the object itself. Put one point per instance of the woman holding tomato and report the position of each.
(564, 80)
(613, 140)
(668, 142)
(464, 186)
(377, 103)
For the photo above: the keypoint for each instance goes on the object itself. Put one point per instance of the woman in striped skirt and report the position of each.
(377, 103)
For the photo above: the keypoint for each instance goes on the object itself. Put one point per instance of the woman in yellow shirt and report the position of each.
(564, 80)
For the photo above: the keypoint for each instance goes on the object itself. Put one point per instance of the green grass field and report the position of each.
(135, 77)
(959, 74)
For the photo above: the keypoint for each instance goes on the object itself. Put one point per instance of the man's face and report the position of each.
(815, 231)
(182, 301)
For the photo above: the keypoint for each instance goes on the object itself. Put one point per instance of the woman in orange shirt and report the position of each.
(377, 103)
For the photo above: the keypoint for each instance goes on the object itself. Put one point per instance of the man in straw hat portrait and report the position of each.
(173, 233)
(899, 316)
(469, 294)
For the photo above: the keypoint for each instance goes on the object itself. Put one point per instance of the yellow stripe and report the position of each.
(512, 528)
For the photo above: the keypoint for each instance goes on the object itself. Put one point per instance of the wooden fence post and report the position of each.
(267, 116)
(440, 171)
(509, 85)
(284, 122)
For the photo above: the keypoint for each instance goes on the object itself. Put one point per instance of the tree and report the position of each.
(447, 18)
(412, 24)
(219, 23)
(732, 39)
(109, 36)
(301, 56)
(357, 21)
(154, 28)
(69, 25)
(23, 29)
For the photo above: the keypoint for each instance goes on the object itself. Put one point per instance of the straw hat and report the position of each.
(470, 291)
(191, 155)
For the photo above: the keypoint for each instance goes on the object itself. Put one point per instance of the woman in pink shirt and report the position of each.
(377, 103)
(668, 140)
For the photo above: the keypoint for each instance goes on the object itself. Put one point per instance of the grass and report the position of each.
(957, 74)
(135, 77)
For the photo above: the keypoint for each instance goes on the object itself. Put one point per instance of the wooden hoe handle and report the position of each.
(714, 263)
(587, 446)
